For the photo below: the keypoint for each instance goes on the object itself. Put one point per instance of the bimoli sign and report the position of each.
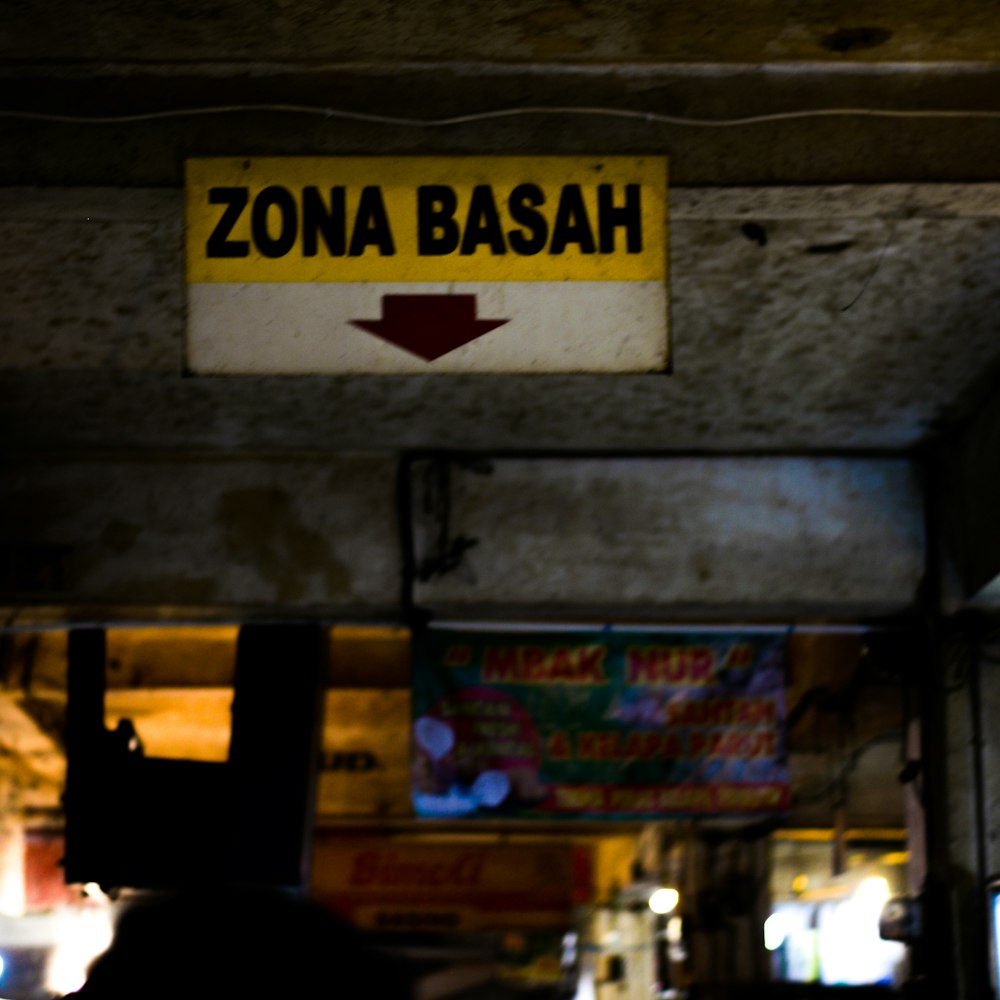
(410, 886)
(505, 264)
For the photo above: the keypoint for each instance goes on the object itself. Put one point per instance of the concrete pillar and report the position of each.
(954, 950)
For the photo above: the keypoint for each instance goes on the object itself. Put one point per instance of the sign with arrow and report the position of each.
(429, 326)
(416, 265)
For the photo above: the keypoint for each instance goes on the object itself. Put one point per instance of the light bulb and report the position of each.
(664, 900)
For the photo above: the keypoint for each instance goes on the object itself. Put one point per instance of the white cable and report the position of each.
(650, 117)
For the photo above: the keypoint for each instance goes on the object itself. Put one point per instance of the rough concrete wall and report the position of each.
(91, 363)
(823, 150)
(282, 534)
(872, 797)
(685, 532)
(767, 534)
(453, 59)
(89, 279)
(766, 354)
(596, 31)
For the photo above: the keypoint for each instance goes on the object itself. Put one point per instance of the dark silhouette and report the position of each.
(239, 943)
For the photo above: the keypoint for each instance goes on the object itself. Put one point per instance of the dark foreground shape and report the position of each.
(239, 943)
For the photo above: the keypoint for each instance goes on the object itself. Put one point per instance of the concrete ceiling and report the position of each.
(844, 319)
(556, 31)
(833, 278)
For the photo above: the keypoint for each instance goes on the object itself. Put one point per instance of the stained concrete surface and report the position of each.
(518, 30)
(177, 110)
(199, 533)
(818, 319)
(320, 536)
(635, 533)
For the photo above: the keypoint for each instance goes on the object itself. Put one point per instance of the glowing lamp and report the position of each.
(664, 900)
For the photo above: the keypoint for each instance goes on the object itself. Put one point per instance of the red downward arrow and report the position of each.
(428, 326)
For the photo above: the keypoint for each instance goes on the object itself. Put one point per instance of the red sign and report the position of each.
(418, 886)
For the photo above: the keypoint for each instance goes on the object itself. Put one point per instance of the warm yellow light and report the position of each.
(896, 858)
(664, 900)
(83, 934)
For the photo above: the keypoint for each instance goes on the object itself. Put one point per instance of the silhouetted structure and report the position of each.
(239, 943)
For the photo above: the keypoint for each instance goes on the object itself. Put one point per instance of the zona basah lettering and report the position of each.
(330, 223)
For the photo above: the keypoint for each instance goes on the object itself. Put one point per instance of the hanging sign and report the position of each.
(410, 886)
(598, 724)
(426, 264)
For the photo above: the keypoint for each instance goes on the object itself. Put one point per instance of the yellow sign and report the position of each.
(420, 219)
(365, 763)
(410, 265)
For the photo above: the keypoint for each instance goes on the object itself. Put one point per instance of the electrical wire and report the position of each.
(648, 117)
(848, 764)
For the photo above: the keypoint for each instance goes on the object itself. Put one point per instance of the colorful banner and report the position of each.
(608, 724)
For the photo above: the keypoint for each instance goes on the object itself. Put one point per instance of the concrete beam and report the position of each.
(521, 31)
(194, 533)
(815, 334)
(764, 534)
(632, 107)
(128, 539)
